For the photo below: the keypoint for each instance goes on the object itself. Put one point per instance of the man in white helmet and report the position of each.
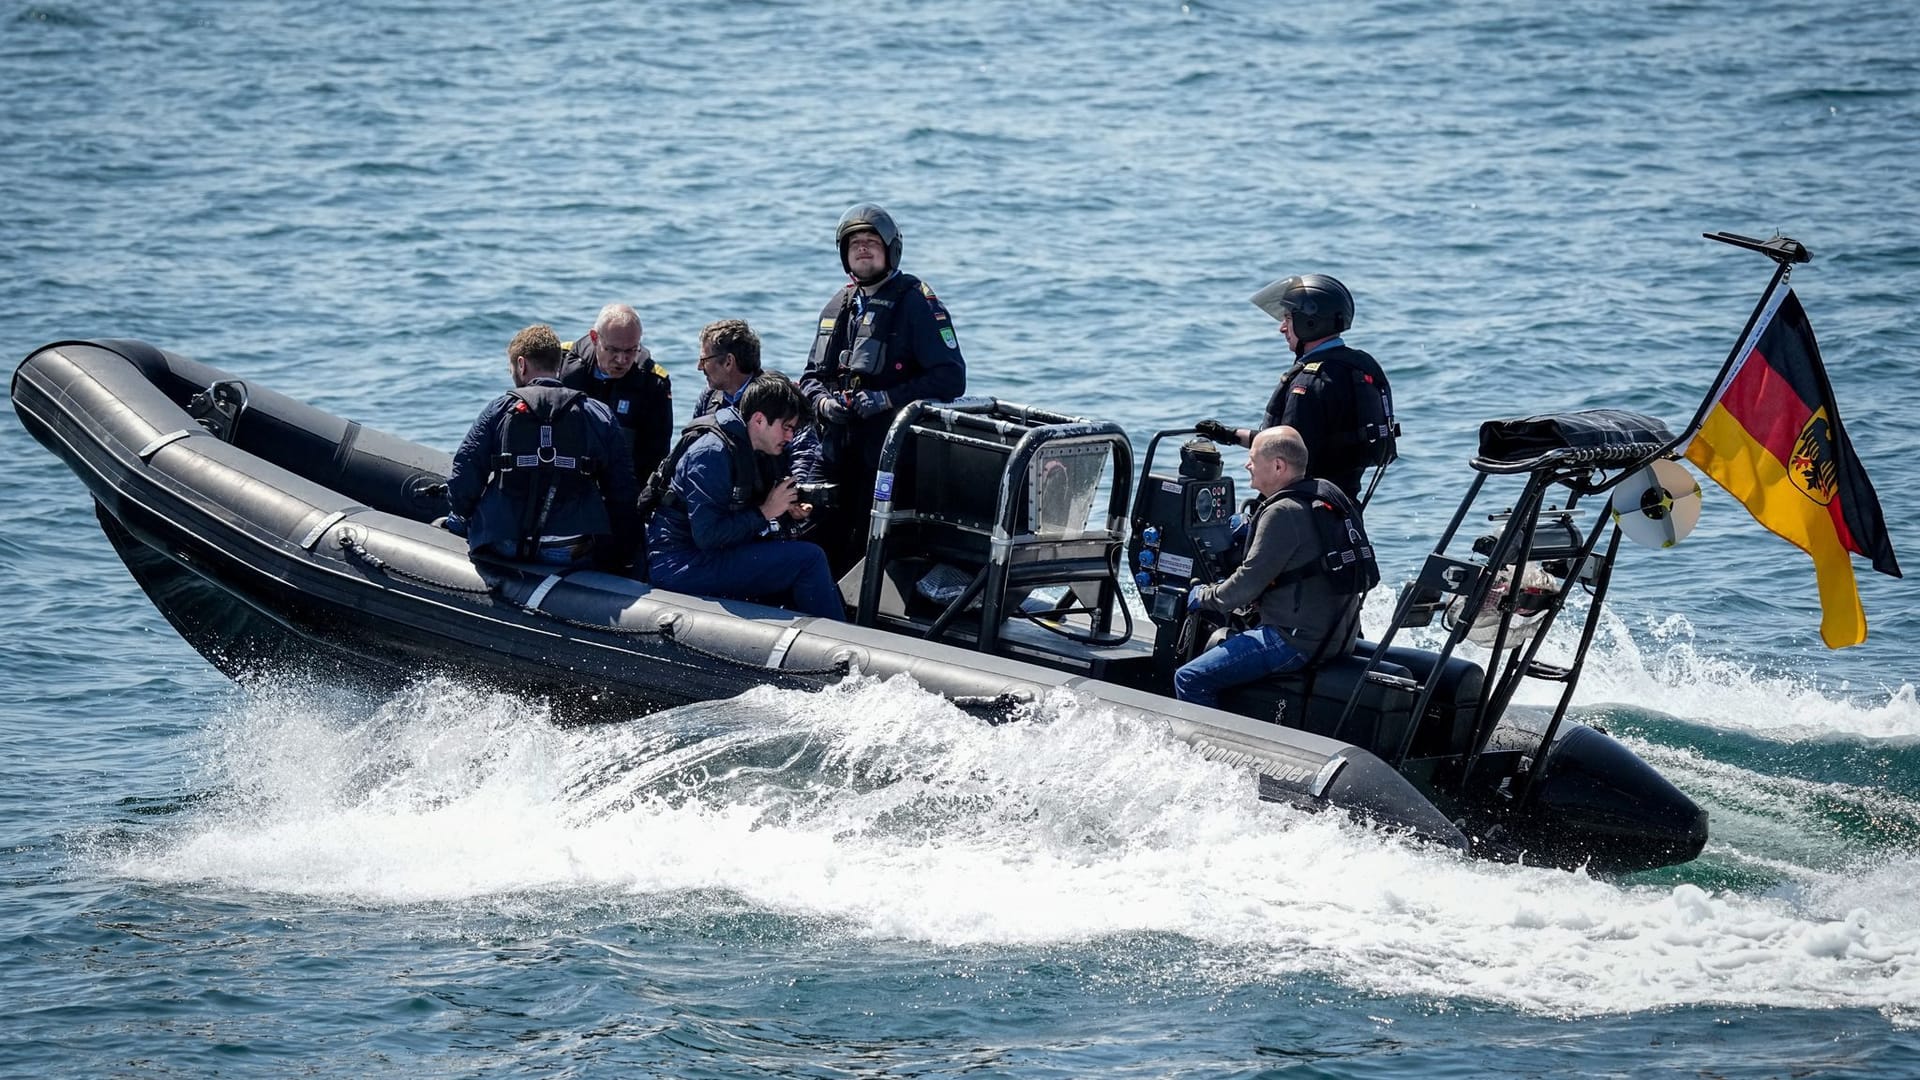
(1334, 395)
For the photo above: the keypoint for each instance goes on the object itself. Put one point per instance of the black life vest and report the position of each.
(545, 432)
(544, 455)
(1373, 407)
(1371, 438)
(623, 396)
(866, 325)
(748, 487)
(1347, 555)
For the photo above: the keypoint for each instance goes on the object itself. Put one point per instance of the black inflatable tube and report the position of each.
(329, 548)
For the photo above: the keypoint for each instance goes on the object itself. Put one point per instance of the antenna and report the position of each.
(1781, 249)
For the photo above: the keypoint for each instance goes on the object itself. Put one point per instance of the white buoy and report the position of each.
(1659, 505)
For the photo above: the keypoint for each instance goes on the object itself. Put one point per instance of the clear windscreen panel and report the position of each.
(1062, 484)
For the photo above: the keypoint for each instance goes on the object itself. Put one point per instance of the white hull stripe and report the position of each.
(540, 592)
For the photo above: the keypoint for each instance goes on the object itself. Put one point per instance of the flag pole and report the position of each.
(1784, 251)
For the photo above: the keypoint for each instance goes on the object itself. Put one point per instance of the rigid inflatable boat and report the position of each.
(273, 535)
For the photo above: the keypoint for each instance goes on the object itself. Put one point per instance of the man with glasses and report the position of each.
(612, 367)
(720, 529)
(729, 357)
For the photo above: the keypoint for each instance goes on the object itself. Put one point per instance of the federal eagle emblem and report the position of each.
(1813, 468)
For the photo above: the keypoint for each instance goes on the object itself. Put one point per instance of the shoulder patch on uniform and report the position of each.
(926, 290)
(1301, 390)
(826, 326)
(946, 335)
(1311, 368)
(566, 346)
(658, 371)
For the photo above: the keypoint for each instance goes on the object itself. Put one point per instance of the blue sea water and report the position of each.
(357, 204)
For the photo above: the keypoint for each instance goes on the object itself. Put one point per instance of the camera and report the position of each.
(819, 493)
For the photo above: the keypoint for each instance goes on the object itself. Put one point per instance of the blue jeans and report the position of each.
(792, 573)
(1242, 658)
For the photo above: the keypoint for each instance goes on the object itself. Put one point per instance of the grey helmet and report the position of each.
(1321, 307)
(869, 216)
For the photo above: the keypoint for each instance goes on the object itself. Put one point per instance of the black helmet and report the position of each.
(1321, 307)
(869, 217)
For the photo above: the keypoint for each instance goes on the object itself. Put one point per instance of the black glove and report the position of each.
(831, 410)
(871, 403)
(1218, 432)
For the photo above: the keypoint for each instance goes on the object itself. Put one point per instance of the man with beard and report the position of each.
(883, 340)
(543, 475)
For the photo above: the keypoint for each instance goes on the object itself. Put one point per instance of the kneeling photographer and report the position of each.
(719, 526)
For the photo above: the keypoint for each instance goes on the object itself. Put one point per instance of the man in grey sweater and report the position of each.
(1306, 572)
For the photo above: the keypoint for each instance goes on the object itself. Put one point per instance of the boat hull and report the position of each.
(305, 542)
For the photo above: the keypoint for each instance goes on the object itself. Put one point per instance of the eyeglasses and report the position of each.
(716, 357)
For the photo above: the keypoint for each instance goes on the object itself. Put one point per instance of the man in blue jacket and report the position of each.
(721, 529)
(544, 474)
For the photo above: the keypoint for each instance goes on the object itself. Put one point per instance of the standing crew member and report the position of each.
(543, 475)
(611, 366)
(884, 340)
(1335, 396)
(1307, 569)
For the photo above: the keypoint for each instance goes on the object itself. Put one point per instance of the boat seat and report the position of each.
(1312, 700)
(1446, 729)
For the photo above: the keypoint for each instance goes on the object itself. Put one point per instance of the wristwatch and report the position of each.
(772, 529)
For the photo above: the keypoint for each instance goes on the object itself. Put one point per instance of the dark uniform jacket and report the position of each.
(641, 402)
(1311, 613)
(709, 401)
(711, 506)
(1319, 397)
(772, 467)
(600, 507)
(918, 358)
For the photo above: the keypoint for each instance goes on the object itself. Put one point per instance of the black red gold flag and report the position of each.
(1772, 437)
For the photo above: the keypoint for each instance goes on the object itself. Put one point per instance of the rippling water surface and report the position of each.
(358, 204)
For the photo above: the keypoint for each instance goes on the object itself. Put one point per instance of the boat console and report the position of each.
(984, 531)
(988, 530)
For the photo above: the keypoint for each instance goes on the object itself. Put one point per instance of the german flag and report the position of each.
(1772, 437)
